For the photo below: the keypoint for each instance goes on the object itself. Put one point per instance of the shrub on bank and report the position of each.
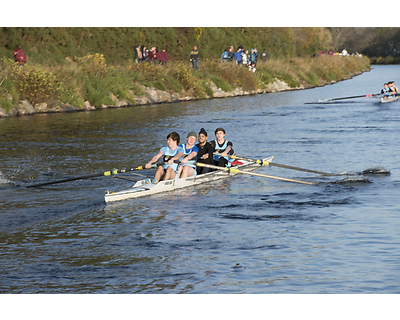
(31, 82)
(90, 78)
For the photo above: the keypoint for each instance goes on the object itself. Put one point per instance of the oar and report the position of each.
(235, 170)
(354, 97)
(267, 163)
(380, 171)
(93, 175)
(344, 98)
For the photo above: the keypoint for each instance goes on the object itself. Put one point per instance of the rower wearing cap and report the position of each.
(188, 151)
(222, 146)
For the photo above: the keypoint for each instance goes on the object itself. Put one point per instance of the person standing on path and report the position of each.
(194, 58)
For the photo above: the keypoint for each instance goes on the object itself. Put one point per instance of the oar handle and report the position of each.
(258, 161)
(116, 171)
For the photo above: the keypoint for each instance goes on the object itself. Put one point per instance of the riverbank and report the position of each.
(93, 85)
(151, 96)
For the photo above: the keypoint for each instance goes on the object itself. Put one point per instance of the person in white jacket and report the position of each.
(245, 57)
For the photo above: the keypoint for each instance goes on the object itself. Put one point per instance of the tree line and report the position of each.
(380, 44)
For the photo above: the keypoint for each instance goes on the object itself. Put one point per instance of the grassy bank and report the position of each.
(90, 78)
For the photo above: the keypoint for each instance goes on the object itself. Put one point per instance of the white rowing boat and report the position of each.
(141, 188)
(390, 99)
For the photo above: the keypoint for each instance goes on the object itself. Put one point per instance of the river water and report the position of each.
(243, 235)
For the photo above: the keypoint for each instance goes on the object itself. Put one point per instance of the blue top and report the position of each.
(238, 55)
(221, 149)
(186, 152)
(253, 56)
(168, 154)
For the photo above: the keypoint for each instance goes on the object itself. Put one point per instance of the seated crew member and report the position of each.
(222, 146)
(392, 88)
(168, 170)
(205, 154)
(188, 151)
(385, 91)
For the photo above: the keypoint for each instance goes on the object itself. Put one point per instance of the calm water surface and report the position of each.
(243, 235)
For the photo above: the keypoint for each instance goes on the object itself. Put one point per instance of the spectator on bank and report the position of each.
(264, 55)
(225, 56)
(153, 55)
(194, 58)
(231, 54)
(19, 56)
(163, 57)
(238, 55)
(245, 57)
(138, 54)
(252, 67)
(253, 56)
(144, 52)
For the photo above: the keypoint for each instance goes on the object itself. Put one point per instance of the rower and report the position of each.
(188, 151)
(222, 146)
(168, 170)
(392, 88)
(205, 154)
(385, 91)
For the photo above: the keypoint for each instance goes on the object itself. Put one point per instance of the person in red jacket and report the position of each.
(163, 57)
(153, 55)
(19, 56)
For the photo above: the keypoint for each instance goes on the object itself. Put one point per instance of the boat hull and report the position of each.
(141, 188)
(390, 99)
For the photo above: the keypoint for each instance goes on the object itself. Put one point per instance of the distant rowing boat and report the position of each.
(141, 188)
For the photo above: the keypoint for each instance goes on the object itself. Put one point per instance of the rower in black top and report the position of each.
(205, 154)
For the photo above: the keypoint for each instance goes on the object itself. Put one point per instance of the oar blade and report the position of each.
(378, 170)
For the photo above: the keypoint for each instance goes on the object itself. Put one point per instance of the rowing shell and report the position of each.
(390, 99)
(141, 188)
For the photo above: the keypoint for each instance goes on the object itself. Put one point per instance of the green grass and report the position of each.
(95, 80)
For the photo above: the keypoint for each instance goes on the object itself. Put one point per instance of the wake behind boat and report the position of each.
(141, 188)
